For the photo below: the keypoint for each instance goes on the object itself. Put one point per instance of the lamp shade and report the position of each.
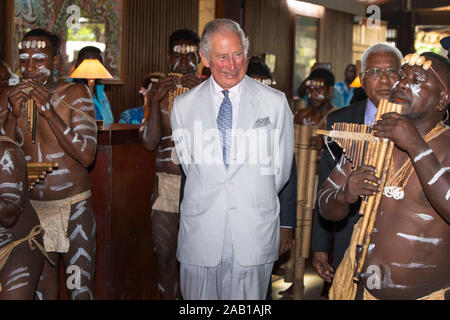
(91, 69)
(356, 83)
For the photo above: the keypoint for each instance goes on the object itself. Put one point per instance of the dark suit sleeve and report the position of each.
(288, 200)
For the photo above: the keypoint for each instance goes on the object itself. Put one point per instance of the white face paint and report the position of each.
(448, 195)
(43, 70)
(39, 56)
(395, 84)
(415, 89)
(24, 56)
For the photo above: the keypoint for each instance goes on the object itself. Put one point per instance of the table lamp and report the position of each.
(91, 69)
(356, 83)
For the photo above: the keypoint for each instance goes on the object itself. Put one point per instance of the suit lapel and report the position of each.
(248, 111)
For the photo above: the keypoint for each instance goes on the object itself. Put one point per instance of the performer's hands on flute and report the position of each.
(321, 265)
(190, 80)
(164, 85)
(42, 98)
(400, 130)
(16, 98)
(361, 182)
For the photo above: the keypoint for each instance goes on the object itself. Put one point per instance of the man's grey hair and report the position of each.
(379, 47)
(218, 25)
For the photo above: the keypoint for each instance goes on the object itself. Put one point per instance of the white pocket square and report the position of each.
(263, 122)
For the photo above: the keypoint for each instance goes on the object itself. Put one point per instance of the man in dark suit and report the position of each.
(379, 74)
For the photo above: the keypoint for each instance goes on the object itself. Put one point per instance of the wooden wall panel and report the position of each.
(268, 24)
(336, 41)
(147, 27)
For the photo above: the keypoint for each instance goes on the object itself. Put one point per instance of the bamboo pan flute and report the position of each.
(37, 171)
(306, 160)
(360, 147)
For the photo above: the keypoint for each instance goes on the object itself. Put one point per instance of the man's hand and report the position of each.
(16, 99)
(361, 183)
(41, 96)
(286, 235)
(320, 263)
(399, 129)
(165, 84)
(316, 143)
(190, 80)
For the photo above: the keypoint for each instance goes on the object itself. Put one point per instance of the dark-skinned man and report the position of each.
(156, 133)
(379, 72)
(408, 253)
(66, 134)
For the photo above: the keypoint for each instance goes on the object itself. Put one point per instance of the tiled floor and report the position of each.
(313, 285)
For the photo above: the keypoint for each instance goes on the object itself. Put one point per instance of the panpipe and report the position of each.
(306, 159)
(361, 147)
(37, 172)
(178, 91)
(32, 114)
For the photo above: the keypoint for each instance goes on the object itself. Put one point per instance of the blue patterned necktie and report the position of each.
(224, 121)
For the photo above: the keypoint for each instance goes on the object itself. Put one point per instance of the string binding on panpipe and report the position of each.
(360, 147)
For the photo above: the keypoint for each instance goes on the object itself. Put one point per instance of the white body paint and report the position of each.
(412, 265)
(434, 241)
(63, 187)
(60, 172)
(39, 152)
(424, 216)
(6, 162)
(53, 156)
(423, 154)
(438, 175)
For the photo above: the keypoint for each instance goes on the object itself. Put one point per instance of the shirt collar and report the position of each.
(217, 89)
(371, 112)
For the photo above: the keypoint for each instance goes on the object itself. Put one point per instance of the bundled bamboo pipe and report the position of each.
(303, 135)
(290, 265)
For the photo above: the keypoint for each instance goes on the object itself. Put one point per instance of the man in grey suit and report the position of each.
(234, 138)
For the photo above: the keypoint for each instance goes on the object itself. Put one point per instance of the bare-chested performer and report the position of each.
(156, 133)
(66, 134)
(408, 255)
(21, 261)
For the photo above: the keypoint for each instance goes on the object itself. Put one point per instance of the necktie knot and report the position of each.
(225, 93)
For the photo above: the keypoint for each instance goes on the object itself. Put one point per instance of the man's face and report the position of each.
(380, 75)
(181, 61)
(227, 60)
(319, 93)
(418, 91)
(350, 73)
(37, 63)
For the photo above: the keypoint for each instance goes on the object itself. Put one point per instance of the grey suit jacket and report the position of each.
(245, 193)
